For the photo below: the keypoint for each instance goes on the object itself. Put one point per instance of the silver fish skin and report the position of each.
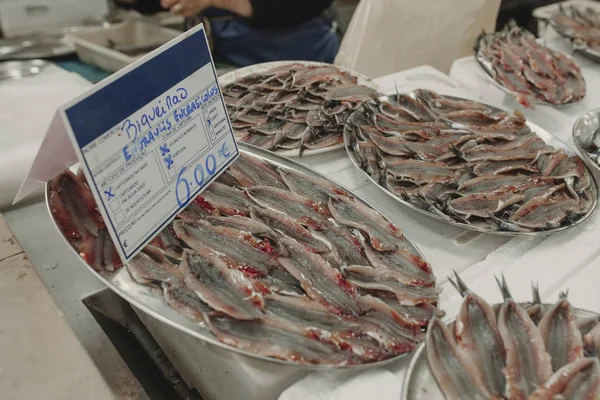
(383, 235)
(421, 172)
(227, 200)
(320, 280)
(222, 288)
(587, 324)
(502, 167)
(147, 270)
(311, 187)
(477, 334)
(186, 302)
(346, 245)
(369, 278)
(528, 365)
(483, 204)
(290, 227)
(238, 245)
(302, 209)
(250, 171)
(541, 213)
(561, 336)
(262, 339)
(456, 376)
(592, 341)
(253, 226)
(398, 313)
(403, 265)
(578, 380)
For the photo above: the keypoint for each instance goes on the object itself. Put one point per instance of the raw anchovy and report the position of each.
(541, 213)
(324, 141)
(259, 338)
(74, 206)
(573, 167)
(253, 226)
(314, 188)
(482, 205)
(400, 314)
(222, 288)
(502, 167)
(458, 378)
(186, 302)
(168, 244)
(528, 365)
(383, 234)
(578, 380)
(483, 184)
(250, 171)
(477, 335)
(592, 341)
(146, 270)
(351, 93)
(291, 228)
(371, 279)
(561, 336)
(301, 208)
(227, 200)
(321, 282)
(347, 245)
(243, 250)
(586, 324)
(421, 172)
(100, 252)
(404, 265)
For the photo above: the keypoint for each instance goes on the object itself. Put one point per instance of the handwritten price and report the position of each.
(200, 175)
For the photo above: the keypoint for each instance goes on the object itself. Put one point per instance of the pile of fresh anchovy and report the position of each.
(275, 262)
(527, 351)
(532, 72)
(294, 107)
(469, 163)
(581, 26)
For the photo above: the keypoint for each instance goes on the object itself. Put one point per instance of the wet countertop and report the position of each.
(41, 357)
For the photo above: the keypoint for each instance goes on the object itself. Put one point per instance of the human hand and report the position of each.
(187, 8)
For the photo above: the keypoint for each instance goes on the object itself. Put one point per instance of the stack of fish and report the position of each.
(515, 351)
(275, 262)
(530, 71)
(469, 163)
(294, 107)
(593, 146)
(581, 26)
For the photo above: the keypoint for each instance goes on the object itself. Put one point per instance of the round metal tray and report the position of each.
(145, 299)
(584, 50)
(234, 75)
(21, 69)
(486, 65)
(419, 382)
(583, 131)
(543, 134)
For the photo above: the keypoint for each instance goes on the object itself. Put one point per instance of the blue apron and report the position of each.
(238, 43)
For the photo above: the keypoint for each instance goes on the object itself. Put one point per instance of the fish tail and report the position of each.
(535, 290)
(460, 285)
(503, 288)
(563, 295)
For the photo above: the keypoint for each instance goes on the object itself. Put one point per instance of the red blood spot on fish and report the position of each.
(342, 192)
(320, 208)
(395, 230)
(261, 288)
(262, 245)
(249, 271)
(205, 205)
(347, 286)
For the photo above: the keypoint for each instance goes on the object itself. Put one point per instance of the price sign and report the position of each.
(151, 137)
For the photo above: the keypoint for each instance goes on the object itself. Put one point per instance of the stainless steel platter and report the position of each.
(21, 69)
(486, 65)
(419, 382)
(236, 74)
(143, 298)
(582, 49)
(542, 133)
(36, 46)
(583, 135)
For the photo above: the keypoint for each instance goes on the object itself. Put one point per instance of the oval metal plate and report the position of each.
(234, 75)
(145, 299)
(543, 134)
(583, 132)
(419, 382)
(486, 65)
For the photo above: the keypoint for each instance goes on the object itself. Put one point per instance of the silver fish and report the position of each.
(250, 171)
(561, 336)
(314, 188)
(319, 280)
(578, 380)
(458, 378)
(383, 234)
(224, 289)
(186, 302)
(528, 365)
(481, 205)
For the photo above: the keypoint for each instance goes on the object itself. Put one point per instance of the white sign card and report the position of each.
(149, 139)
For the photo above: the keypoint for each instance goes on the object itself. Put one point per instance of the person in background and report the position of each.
(246, 32)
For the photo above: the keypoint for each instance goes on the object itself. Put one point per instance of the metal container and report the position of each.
(94, 46)
(584, 130)
(419, 382)
(217, 370)
(543, 134)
